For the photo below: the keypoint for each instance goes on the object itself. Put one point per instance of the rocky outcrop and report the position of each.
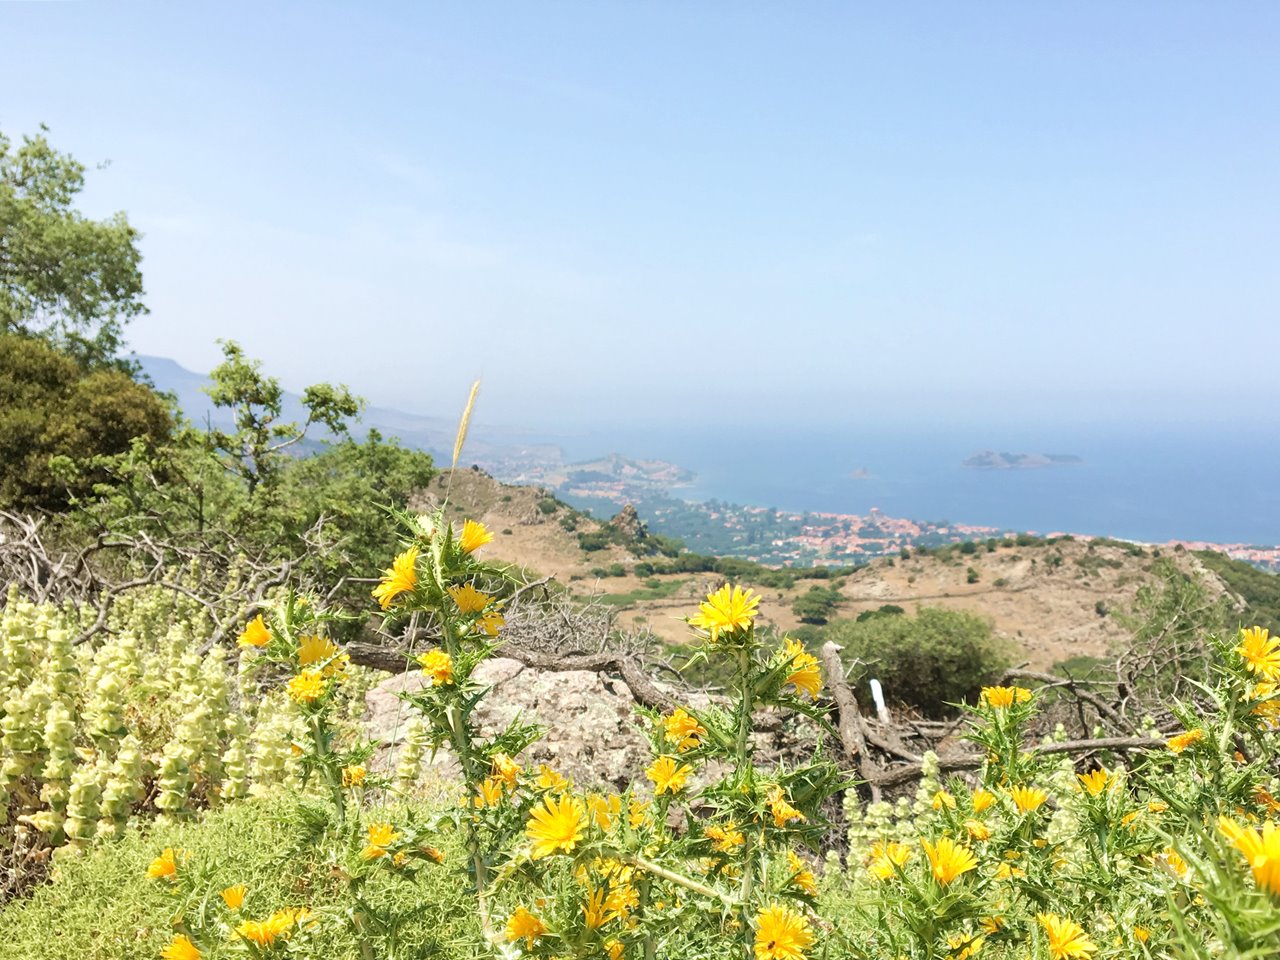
(628, 522)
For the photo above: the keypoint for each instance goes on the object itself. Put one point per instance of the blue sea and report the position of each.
(1150, 483)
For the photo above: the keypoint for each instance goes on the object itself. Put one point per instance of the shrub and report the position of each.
(935, 658)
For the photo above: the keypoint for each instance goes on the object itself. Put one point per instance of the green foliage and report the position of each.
(254, 451)
(1170, 618)
(818, 605)
(63, 277)
(53, 407)
(1260, 589)
(102, 906)
(927, 661)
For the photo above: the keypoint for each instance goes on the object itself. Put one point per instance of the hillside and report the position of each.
(1052, 600)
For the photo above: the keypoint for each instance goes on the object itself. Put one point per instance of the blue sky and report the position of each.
(667, 212)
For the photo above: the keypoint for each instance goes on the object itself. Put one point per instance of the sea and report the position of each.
(1213, 483)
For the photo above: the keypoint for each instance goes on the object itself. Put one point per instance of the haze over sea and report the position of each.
(1140, 482)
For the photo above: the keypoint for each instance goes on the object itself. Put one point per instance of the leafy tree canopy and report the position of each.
(52, 407)
(63, 277)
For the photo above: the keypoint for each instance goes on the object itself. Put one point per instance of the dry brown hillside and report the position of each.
(1045, 598)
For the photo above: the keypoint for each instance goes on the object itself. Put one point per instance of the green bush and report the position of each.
(102, 906)
(935, 658)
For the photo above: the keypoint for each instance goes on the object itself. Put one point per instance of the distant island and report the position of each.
(992, 460)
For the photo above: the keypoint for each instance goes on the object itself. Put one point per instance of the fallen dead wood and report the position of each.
(897, 776)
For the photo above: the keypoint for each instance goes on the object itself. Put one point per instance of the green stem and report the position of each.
(744, 774)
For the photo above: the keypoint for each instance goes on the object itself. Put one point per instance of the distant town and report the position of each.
(763, 534)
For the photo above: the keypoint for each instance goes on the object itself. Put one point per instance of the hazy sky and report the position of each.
(692, 210)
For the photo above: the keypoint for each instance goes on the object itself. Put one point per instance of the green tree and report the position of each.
(52, 408)
(64, 277)
(257, 448)
(930, 660)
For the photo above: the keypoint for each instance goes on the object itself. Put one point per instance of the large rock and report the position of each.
(592, 733)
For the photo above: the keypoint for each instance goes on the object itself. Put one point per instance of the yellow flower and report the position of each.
(943, 799)
(354, 775)
(400, 577)
(548, 779)
(506, 770)
(315, 650)
(180, 948)
(682, 730)
(1265, 799)
(724, 839)
(1007, 871)
(667, 775)
(638, 812)
(306, 687)
(469, 599)
(473, 536)
(437, 665)
(1261, 653)
(433, 854)
(977, 830)
(489, 793)
(381, 835)
(727, 610)
(887, 857)
(264, 933)
(595, 911)
(1028, 799)
(255, 634)
(782, 810)
(1067, 939)
(948, 859)
(165, 866)
(556, 825)
(965, 945)
(233, 897)
(1173, 864)
(982, 799)
(491, 622)
(614, 949)
(1261, 850)
(1183, 740)
(782, 934)
(604, 809)
(992, 925)
(801, 875)
(1141, 934)
(1001, 698)
(805, 674)
(524, 925)
(1095, 781)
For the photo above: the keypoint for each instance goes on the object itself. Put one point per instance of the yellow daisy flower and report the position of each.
(401, 577)
(1001, 698)
(1261, 653)
(1095, 781)
(948, 859)
(556, 826)
(255, 634)
(727, 610)
(438, 665)
(473, 536)
(468, 599)
(180, 948)
(1067, 940)
(306, 687)
(805, 674)
(782, 934)
(667, 775)
(886, 857)
(682, 730)
(1261, 850)
(1183, 740)
(1028, 799)
(165, 866)
(233, 897)
(782, 811)
(523, 925)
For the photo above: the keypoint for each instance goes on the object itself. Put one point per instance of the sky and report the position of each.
(706, 212)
